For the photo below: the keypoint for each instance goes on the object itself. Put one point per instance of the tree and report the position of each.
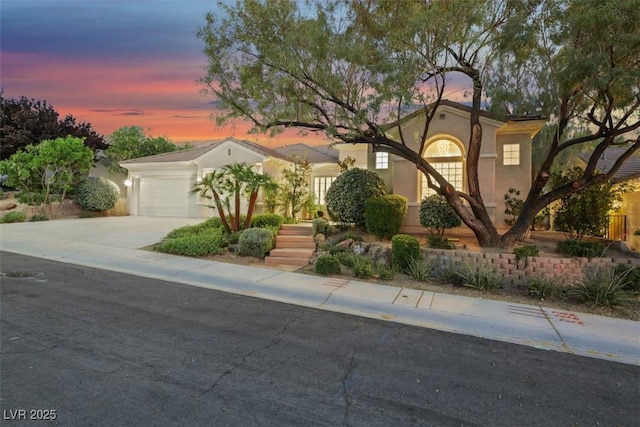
(295, 190)
(232, 182)
(348, 69)
(585, 213)
(26, 122)
(48, 171)
(130, 142)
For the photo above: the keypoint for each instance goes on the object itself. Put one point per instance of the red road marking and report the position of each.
(568, 317)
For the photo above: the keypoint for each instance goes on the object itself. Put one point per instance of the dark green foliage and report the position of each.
(353, 236)
(636, 233)
(585, 213)
(30, 121)
(347, 195)
(208, 242)
(439, 242)
(579, 248)
(362, 267)
(327, 264)
(547, 289)
(525, 251)
(39, 217)
(630, 275)
(97, 194)
(188, 230)
(404, 248)
(267, 220)
(384, 215)
(14, 216)
(256, 242)
(437, 215)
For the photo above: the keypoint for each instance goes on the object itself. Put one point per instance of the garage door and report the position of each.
(164, 197)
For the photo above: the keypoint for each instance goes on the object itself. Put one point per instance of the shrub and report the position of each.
(88, 214)
(189, 230)
(319, 226)
(580, 248)
(14, 216)
(353, 236)
(439, 242)
(547, 288)
(630, 276)
(420, 269)
(600, 287)
(267, 220)
(404, 248)
(345, 258)
(327, 264)
(362, 267)
(447, 272)
(347, 195)
(97, 194)
(384, 215)
(436, 214)
(39, 217)
(255, 242)
(206, 243)
(384, 271)
(637, 232)
(480, 276)
(525, 251)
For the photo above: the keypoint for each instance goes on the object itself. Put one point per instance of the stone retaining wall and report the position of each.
(518, 272)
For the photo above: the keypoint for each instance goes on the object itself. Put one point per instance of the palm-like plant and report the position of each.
(233, 181)
(212, 187)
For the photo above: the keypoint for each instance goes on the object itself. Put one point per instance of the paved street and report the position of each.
(105, 348)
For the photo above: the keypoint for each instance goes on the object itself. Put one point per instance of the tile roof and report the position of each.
(200, 148)
(630, 168)
(317, 154)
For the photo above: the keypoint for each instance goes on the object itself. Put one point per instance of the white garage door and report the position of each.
(164, 197)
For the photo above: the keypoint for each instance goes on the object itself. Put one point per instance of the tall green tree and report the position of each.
(349, 68)
(46, 172)
(130, 142)
(25, 121)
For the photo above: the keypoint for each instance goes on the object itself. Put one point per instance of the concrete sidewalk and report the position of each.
(113, 244)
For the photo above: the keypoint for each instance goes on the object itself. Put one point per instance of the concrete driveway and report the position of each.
(124, 232)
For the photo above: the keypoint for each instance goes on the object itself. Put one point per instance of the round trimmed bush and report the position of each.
(384, 215)
(256, 242)
(349, 192)
(437, 214)
(97, 194)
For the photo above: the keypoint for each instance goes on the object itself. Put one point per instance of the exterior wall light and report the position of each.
(127, 183)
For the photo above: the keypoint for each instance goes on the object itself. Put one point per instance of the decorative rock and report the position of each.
(345, 245)
(7, 206)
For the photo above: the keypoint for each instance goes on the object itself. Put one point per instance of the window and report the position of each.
(446, 158)
(320, 186)
(511, 154)
(382, 160)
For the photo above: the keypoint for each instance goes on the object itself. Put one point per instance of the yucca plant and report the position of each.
(478, 276)
(420, 269)
(600, 287)
(545, 288)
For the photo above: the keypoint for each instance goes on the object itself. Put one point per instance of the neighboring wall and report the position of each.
(514, 272)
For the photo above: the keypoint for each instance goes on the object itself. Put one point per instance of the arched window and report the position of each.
(447, 158)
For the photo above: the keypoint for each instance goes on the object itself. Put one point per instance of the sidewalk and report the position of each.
(112, 244)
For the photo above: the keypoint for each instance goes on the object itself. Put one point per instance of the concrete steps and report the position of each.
(294, 246)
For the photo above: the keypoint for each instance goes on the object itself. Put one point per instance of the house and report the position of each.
(505, 157)
(625, 220)
(159, 185)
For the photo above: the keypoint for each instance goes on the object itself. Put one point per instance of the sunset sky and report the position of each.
(117, 63)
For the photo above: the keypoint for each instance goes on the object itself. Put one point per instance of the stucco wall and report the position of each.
(511, 176)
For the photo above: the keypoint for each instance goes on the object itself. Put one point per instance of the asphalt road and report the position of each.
(109, 349)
